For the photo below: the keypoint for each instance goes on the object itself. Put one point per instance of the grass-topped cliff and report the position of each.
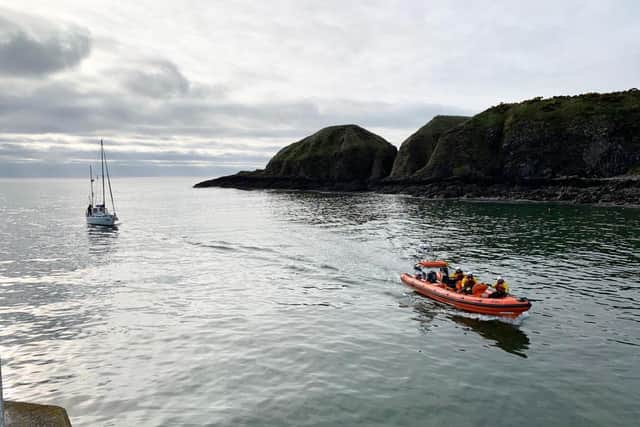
(561, 148)
(345, 157)
(591, 135)
(416, 150)
(336, 153)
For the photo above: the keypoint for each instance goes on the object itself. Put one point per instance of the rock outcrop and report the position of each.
(589, 136)
(623, 190)
(583, 148)
(336, 157)
(337, 153)
(416, 150)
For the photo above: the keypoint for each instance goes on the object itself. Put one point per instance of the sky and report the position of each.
(206, 88)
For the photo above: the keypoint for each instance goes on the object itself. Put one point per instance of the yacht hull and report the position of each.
(106, 220)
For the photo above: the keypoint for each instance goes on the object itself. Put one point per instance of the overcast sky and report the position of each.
(204, 88)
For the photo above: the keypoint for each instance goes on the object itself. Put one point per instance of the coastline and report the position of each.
(623, 191)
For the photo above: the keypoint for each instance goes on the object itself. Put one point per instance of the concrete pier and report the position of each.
(19, 414)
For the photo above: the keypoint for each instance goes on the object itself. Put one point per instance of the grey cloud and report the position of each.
(170, 136)
(62, 108)
(386, 114)
(33, 48)
(24, 159)
(18, 152)
(156, 79)
(121, 170)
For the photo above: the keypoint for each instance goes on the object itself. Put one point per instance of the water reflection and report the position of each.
(427, 312)
(61, 304)
(48, 323)
(330, 208)
(544, 230)
(505, 335)
(101, 239)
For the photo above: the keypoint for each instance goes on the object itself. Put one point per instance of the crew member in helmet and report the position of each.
(455, 279)
(468, 283)
(501, 288)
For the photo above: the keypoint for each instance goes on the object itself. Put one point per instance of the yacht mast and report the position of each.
(104, 201)
(91, 178)
(113, 203)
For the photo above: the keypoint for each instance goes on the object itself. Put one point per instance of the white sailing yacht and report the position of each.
(98, 214)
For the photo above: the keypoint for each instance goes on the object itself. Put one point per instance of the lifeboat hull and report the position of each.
(508, 306)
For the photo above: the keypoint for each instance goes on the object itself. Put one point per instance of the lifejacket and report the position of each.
(502, 287)
(457, 279)
(468, 284)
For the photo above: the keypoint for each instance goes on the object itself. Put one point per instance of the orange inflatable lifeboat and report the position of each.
(508, 306)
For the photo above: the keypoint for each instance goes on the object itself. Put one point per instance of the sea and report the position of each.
(225, 307)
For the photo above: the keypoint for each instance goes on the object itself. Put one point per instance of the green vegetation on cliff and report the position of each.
(561, 148)
(591, 135)
(337, 153)
(416, 150)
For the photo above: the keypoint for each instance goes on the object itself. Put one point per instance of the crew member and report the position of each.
(468, 283)
(456, 279)
(501, 288)
(444, 274)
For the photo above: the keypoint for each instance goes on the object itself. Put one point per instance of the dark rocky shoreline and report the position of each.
(621, 191)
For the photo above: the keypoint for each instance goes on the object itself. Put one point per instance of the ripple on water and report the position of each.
(226, 307)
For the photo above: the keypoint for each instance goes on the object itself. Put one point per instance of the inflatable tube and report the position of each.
(426, 263)
(508, 306)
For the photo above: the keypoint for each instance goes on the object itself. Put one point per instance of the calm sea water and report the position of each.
(256, 308)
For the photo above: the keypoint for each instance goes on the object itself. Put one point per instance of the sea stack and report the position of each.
(345, 157)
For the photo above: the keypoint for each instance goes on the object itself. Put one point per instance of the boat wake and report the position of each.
(515, 321)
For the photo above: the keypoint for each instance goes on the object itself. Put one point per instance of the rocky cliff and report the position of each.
(416, 150)
(336, 153)
(590, 136)
(344, 157)
(583, 148)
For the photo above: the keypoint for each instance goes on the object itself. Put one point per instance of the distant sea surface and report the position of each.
(270, 308)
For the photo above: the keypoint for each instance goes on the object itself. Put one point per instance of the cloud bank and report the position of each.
(200, 88)
(32, 47)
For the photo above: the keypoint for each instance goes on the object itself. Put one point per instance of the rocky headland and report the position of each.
(583, 149)
(346, 158)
